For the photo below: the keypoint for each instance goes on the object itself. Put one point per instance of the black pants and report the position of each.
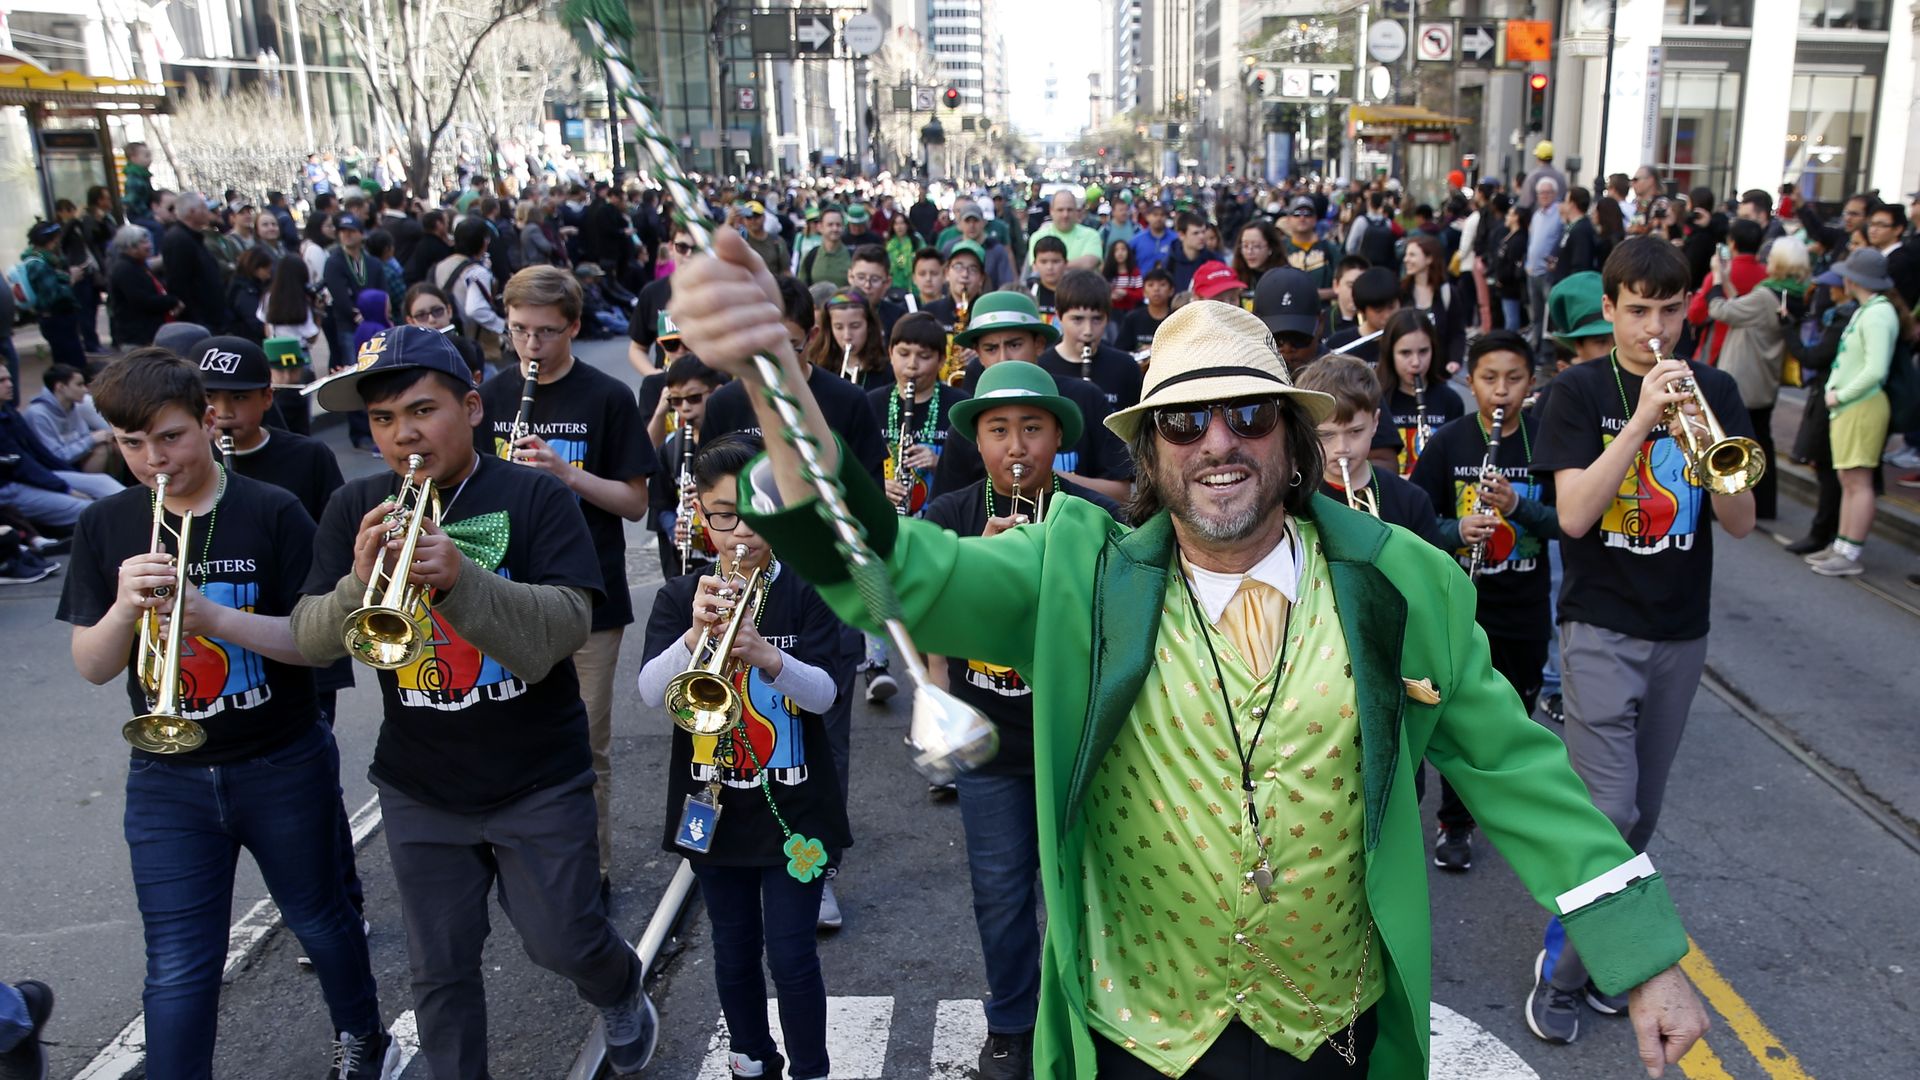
(1766, 500)
(1239, 1054)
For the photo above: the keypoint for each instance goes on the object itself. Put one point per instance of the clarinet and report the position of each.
(226, 449)
(1477, 559)
(1086, 362)
(523, 419)
(901, 470)
(1420, 416)
(687, 441)
(846, 364)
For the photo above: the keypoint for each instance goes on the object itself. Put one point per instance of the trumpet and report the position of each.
(1362, 499)
(389, 630)
(901, 470)
(1014, 499)
(688, 509)
(1477, 556)
(1723, 464)
(702, 699)
(162, 729)
(227, 448)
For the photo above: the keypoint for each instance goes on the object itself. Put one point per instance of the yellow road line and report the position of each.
(1766, 1049)
(1701, 1063)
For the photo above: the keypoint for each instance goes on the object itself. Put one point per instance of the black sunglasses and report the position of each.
(1246, 419)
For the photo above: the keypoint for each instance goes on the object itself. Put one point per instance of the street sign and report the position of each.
(1529, 41)
(813, 34)
(1386, 41)
(711, 138)
(770, 32)
(863, 34)
(1477, 42)
(745, 100)
(1325, 83)
(1650, 121)
(1293, 82)
(923, 99)
(1435, 43)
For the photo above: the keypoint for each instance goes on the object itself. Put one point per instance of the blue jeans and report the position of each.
(15, 1024)
(1510, 312)
(1003, 859)
(12, 356)
(755, 909)
(58, 509)
(1550, 675)
(185, 826)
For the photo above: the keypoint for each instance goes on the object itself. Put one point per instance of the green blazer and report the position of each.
(1073, 605)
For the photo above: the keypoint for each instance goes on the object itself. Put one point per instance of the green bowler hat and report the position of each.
(1573, 308)
(1013, 382)
(1000, 310)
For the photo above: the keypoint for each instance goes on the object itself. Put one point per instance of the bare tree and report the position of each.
(250, 141)
(520, 69)
(418, 58)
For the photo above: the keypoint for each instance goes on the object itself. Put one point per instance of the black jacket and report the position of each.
(35, 464)
(343, 292)
(604, 234)
(426, 253)
(137, 304)
(243, 309)
(406, 233)
(193, 275)
(1579, 249)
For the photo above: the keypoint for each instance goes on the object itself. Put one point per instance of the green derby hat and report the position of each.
(1000, 310)
(1013, 382)
(1573, 308)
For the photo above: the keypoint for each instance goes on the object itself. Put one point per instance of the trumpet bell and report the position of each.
(948, 736)
(163, 733)
(702, 703)
(383, 637)
(1729, 466)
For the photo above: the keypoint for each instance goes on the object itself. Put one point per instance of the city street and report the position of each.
(1791, 841)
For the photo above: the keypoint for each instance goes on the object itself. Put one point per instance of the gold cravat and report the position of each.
(1252, 621)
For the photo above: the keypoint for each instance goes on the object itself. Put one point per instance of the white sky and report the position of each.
(1065, 34)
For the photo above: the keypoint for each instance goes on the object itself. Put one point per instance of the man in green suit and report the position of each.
(1230, 700)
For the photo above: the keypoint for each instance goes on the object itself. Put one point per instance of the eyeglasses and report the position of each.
(1246, 419)
(1300, 213)
(681, 247)
(538, 335)
(685, 399)
(435, 312)
(720, 520)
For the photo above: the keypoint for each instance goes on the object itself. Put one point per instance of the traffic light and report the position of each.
(1537, 102)
(952, 97)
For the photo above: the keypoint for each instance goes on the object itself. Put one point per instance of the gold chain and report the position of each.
(1347, 1053)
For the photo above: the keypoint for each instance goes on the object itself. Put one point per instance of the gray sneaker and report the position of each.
(1820, 556)
(632, 1029)
(1839, 566)
(1552, 1014)
(830, 917)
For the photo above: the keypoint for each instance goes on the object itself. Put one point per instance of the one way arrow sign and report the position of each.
(1326, 83)
(813, 34)
(1477, 42)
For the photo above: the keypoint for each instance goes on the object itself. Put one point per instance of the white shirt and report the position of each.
(1280, 568)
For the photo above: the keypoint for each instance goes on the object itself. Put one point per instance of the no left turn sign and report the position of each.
(1435, 42)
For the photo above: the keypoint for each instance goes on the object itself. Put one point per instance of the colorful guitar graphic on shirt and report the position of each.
(1656, 507)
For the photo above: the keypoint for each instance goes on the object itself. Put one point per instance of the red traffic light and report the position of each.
(1537, 81)
(951, 97)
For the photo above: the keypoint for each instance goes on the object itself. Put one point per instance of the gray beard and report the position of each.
(1237, 526)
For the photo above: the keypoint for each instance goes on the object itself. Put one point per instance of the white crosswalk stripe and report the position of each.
(858, 1032)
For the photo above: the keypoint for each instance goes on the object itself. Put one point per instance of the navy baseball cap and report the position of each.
(1288, 301)
(232, 363)
(348, 221)
(402, 347)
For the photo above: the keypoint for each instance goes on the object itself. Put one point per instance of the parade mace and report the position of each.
(947, 737)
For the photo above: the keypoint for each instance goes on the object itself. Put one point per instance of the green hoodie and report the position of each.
(1073, 605)
(137, 192)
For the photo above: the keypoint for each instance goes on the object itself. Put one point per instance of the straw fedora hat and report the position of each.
(1208, 352)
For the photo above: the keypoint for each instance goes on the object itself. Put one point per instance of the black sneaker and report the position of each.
(946, 792)
(28, 1059)
(1807, 545)
(18, 571)
(1603, 1003)
(30, 561)
(1552, 1013)
(1007, 1057)
(632, 1029)
(1556, 708)
(880, 685)
(1453, 849)
(364, 1057)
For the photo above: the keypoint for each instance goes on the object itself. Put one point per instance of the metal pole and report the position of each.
(300, 68)
(587, 1064)
(1606, 98)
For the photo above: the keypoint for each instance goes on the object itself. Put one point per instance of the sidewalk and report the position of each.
(1898, 517)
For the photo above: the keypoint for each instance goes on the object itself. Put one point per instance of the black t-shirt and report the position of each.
(1515, 584)
(1645, 569)
(1401, 413)
(589, 418)
(790, 742)
(250, 553)
(1138, 328)
(300, 464)
(998, 692)
(1342, 342)
(1099, 455)
(644, 324)
(931, 431)
(945, 311)
(842, 403)
(651, 387)
(1400, 503)
(462, 732)
(1043, 299)
(1116, 373)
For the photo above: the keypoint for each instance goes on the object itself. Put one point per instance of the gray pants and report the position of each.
(542, 852)
(1627, 701)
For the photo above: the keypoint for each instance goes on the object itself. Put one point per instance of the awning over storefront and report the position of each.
(1405, 116)
(23, 82)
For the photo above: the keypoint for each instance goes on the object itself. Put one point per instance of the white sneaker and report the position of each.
(830, 917)
(1819, 556)
(1839, 566)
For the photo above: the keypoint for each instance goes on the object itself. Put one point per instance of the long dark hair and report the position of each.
(1436, 265)
(1276, 254)
(1111, 268)
(1405, 323)
(1303, 457)
(287, 293)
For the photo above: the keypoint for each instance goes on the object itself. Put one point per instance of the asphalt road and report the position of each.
(1799, 900)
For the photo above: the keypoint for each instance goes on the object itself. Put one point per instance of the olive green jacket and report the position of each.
(1073, 605)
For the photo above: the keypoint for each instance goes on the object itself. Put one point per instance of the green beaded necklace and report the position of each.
(988, 489)
(927, 428)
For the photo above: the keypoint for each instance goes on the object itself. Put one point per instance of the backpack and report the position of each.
(1903, 388)
(22, 285)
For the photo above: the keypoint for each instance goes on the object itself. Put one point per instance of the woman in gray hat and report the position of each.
(1857, 403)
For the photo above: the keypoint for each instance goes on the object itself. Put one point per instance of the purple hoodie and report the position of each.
(373, 316)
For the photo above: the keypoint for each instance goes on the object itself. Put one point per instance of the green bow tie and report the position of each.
(482, 538)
